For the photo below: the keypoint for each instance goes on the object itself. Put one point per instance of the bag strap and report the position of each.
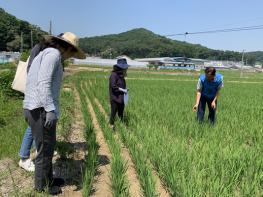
(34, 52)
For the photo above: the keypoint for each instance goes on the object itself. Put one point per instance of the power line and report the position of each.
(247, 28)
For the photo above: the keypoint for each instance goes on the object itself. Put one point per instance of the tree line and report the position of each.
(12, 30)
(142, 43)
(136, 43)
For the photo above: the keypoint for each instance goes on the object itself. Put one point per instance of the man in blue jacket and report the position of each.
(208, 87)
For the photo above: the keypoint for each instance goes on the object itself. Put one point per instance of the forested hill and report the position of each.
(142, 43)
(136, 43)
(11, 29)
(257, 55)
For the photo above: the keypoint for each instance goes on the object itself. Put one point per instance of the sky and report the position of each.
(88, 18)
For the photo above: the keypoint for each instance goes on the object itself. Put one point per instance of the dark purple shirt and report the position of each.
(116, 81)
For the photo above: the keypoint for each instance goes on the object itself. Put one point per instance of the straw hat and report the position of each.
(71, 39)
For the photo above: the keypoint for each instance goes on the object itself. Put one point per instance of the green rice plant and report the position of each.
(67, 106)
(144, 171)
(139, 158)
(67, 113)
(119, 182)
(194, 159)
(91, 160)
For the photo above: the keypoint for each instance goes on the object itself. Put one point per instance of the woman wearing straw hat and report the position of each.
(117, 89)
(41, 103)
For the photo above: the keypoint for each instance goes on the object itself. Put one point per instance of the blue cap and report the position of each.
(122, 63)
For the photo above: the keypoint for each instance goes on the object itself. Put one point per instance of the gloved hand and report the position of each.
(51, 119)
(124, 90)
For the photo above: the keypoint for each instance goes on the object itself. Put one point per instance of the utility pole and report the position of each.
(110, 53)
(50, 27)
(32, 39)
(21, 42)
(241, 72)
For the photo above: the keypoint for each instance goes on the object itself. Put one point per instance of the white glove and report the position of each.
(124, 90)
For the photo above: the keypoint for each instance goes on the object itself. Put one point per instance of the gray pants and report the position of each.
(45, 140)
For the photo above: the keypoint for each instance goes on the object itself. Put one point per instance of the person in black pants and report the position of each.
(208, 87)
(41, 103)
(117, 89)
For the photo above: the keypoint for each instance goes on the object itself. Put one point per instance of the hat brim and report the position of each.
(122, 66)
(78, 53)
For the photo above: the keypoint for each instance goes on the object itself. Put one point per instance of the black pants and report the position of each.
(116, 107)
(201, 110)
(45, 140)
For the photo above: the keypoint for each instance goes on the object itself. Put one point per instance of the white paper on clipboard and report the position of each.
(126, 98)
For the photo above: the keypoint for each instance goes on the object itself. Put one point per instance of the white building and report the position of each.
(6, 57)
(108, 62)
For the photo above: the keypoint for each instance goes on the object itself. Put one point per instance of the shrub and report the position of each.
(25, 55)
(6, 79)
(9, 65)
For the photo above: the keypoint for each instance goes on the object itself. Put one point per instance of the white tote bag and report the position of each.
(19, 82)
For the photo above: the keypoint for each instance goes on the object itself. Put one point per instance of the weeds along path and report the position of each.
(102, 181)
(135, 188)
(162, 191)
(70, 165)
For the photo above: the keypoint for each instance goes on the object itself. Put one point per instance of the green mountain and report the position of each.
(10, 32)
(136, 43)
(140, 43)
(257, 55)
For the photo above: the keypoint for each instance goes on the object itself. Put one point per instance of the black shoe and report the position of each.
(54, 190)
(57, 182)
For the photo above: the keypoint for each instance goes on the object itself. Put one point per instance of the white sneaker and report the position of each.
(27, 164)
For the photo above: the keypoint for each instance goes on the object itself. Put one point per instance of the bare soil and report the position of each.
(135, 188)
(102, 179)
(16, 181)
(72, 167)
(13, 179)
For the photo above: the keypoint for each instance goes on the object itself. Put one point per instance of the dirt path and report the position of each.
(102, 179)
(14, 180)
(71, 167)
(132, 174)
(135, 188)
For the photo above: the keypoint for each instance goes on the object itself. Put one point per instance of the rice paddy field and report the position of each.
(192, 159)
(166, 144)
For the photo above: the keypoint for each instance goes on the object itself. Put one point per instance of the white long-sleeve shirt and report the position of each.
(44, 81)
